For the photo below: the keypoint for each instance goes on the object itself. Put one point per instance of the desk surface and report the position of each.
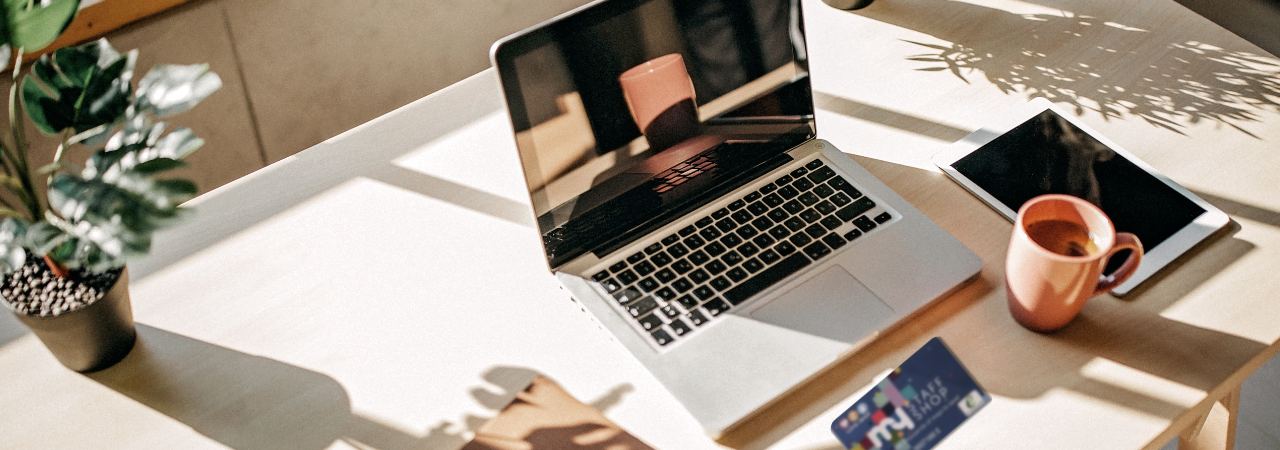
(385, 288)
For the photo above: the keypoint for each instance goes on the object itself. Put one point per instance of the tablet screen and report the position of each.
(1050, 155)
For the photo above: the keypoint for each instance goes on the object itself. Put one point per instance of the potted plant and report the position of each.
(68, 229)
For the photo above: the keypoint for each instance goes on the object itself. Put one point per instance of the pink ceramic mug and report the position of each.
(659, 94)
(1059, 248)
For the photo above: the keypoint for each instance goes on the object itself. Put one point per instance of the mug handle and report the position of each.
(1123, 241)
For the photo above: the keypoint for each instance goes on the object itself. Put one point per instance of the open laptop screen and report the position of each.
(632, 112)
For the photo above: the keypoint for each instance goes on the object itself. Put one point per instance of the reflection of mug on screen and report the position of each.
(660, 96)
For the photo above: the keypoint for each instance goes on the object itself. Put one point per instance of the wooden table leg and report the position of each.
(1216, 429)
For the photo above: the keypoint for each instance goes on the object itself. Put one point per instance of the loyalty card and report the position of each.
(913, 408)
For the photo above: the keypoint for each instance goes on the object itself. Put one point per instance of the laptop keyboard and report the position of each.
(687, 279)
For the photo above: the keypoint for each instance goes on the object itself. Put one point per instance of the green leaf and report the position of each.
(83, 88)
(13, 233)
(33, 25)
(42, 238)
(171, 89)
(157, 165)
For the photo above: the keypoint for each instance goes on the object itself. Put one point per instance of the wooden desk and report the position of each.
(385, 288)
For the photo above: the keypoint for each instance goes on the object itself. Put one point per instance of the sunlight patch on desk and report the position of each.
(474, 156)
(1141, 384)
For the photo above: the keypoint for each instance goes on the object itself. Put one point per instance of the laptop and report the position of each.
(683, 198)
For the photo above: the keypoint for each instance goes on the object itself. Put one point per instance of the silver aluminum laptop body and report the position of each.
(605, 201)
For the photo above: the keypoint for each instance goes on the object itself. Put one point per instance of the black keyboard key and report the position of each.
(825, 207)
(784, 180)
(680, 327)
(753, 196)
(753, 265)
(778, 214)
(661, 259)
(788, 193)
(642, 306)
(766, 278)
(736, 205)
(810, 215)
(665, 294)
(644, 268)
(741, 217)
(715, 267)
(693, 242)
(855, 209)
(793, 207)
(794, 224)
(726, 225)
(823, 191)
(803, 184)
(864, 224)
(799, 172)
(600, 276)
(762, 223)
(769, 257)
(780, 232)
(627, 295)
(665, 275)
(772, 200)
(821, 175)
(703, 293)
(682, 285)
(627, 277)
(816, 230)
(678, 250)
(831, 222)
(747, 232)
(635, 258)
(618, 266)
(840, 184)
(682, 266)
(814, 165)
(737, 274)
(834, 241)
(697, 318)
(655, 248)
(808, 199)
(671, 239)
(698, 276)
(704, 222)
(731, 259)
(800, 239)
(662, 337)
(699, 258)
(651, 322)
(748, 249)
(840, 199)
(720, 213)
(720, 283)
(758, 208)
(709, 234)
(648, 284)
(688, 231)
(883, 217)
(768, 188)
(610, 285)
(763, 241)
(731, 240)
(715, 249)
(853, 234)
(687, 302)
(785, 248)
(670, 311)
(715, 307)
(817, 250)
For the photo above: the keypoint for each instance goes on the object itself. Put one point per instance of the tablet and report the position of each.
(1040, 149)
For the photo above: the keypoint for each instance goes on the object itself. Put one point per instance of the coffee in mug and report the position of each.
(1059, 248)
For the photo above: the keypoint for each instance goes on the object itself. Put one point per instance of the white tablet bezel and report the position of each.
(1153, 259)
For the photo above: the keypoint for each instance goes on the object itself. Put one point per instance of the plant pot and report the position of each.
(92, 338)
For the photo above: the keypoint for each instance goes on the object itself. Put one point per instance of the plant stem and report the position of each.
(58, 270)
(29, 197)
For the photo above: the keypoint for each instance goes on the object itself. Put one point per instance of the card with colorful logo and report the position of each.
(915, 407)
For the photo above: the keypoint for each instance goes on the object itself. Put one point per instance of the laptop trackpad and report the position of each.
(834, 305)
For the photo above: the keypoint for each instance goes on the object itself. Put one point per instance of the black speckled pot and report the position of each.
(91, 338)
